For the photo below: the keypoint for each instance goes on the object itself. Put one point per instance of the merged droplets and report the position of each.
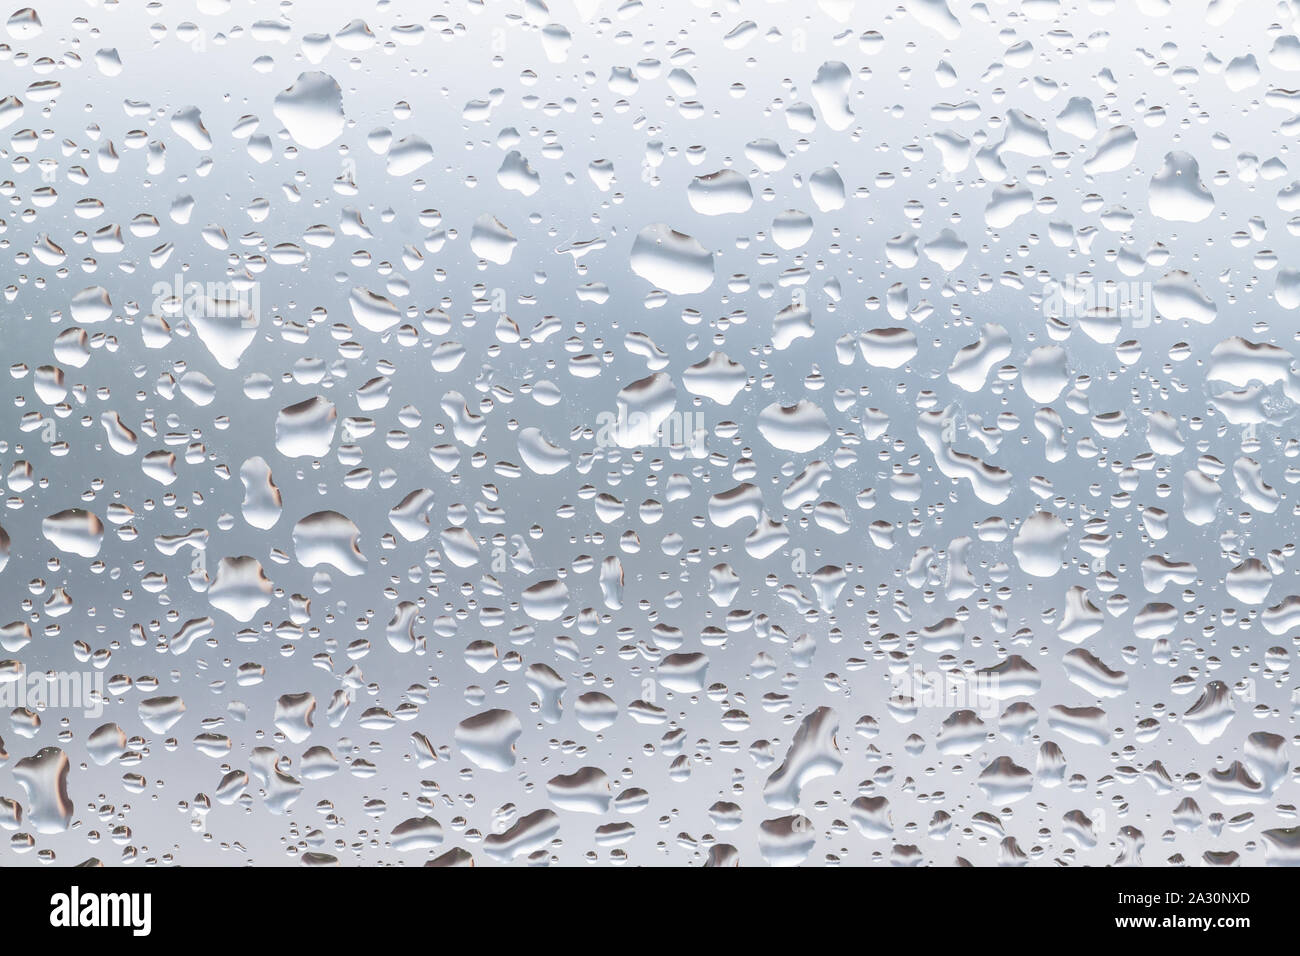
(240, 587)
(75, 531)
(721, 193)
(328, 537)
(44, 777)
(540, 455)
(798, 428)
(488, 738)
(671, 260)
(492, 240)
(546, 600)
(1177, 193)
(306, 428)
(312, 109)
(1040, 544)
(263, 502)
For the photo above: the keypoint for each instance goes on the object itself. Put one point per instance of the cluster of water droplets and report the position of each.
(650, 432)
